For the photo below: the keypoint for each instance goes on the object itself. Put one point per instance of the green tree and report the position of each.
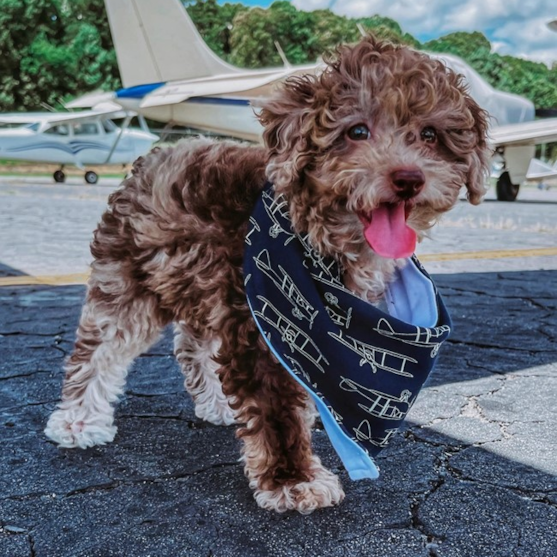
(532, 80)
(331, 30)
(461, 44)
(387, 28)
(52, 50)
(255, 31)
(214, 23)
(89, 44)
(252, 40)
(25, 27)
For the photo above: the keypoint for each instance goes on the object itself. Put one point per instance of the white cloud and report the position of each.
(516, 27)
(310, 5)
(528, 38)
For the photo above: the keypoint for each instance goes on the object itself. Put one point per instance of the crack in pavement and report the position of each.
(26, 334)
(29, 404)
(32, 551)
(176, 417)
(445, 469)
(115, 484)
(545, 334)
(431, 540)
(446, 290)
(132, 393)
(539, 496)
(20, 375)
(497, 347)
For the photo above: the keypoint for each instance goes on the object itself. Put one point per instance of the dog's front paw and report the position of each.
(324, 490)
(217, 412)
(74, 427)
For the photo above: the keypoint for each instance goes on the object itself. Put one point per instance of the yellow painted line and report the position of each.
(488, 254)
(81, 278)
(50, 280)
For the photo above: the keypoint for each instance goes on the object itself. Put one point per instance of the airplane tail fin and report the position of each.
(158, 42)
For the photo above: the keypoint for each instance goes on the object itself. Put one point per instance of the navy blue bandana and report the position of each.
(362, 366)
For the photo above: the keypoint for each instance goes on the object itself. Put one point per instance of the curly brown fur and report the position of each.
(170, 248)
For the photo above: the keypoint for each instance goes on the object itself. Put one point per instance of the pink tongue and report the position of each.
(388, 234)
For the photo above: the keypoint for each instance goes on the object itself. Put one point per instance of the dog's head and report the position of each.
(378, 145)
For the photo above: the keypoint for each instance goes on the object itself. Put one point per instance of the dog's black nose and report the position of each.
(408, 182)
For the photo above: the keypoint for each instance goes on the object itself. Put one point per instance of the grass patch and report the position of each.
(35, 169)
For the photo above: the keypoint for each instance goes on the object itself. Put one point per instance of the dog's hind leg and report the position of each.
(195, 354)
(116, 326)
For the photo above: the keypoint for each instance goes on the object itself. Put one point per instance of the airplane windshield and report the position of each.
(60, 129)
(11, 125)
(108, 125)
(85, 128)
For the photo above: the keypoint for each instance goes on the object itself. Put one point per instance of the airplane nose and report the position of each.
(407, 182)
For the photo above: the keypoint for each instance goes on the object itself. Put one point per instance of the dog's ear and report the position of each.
(479, 157)
(286, 117)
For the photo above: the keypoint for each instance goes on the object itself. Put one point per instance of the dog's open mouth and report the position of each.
(386, 231)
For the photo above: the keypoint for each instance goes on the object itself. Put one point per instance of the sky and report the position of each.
(515, 27)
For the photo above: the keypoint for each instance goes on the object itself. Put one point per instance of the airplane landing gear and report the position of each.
(59, 177)
(506, 190)
(91, 177)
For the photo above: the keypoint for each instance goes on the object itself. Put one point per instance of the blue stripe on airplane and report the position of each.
(218, 100)
(72, 148)
(140, 91)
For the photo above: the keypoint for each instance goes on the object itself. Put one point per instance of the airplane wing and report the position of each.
(20, 119)
(250, 83)
(539, 170)
(111, 111)
(525, 133)
(90, 100)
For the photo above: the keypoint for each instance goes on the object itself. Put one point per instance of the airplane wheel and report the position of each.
(506, 190)
(91, 177)
(59, 177)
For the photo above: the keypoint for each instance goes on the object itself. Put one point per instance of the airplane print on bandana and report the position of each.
(363, 433)
(382, 405)
(277, 209)
(364, 365)
(327, 271)
(336, 313)
(292, 335)
(254, 228)
(423, 336)
(375, 356)
(283, 281)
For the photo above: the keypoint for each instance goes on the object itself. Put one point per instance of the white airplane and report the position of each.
(78, 138)
(170, 75)
(179, 80)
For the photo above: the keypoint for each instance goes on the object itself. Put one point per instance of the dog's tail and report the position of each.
(156, 41)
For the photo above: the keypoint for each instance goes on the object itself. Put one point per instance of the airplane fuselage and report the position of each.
(68, 147)
(234, 117)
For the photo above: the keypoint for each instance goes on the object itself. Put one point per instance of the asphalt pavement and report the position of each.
(474, 473)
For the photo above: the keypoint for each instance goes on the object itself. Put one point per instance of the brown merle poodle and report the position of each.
(382, 126)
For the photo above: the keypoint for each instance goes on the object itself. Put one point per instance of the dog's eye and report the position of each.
(360, 132)
(429, 135)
